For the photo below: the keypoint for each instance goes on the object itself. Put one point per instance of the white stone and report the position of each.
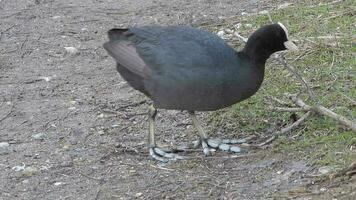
(4, 145)
(71, 50)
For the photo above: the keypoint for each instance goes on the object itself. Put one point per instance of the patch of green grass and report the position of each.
(325, 34)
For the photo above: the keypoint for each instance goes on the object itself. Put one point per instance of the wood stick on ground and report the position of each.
(324, 111)
(295, 124)
(350, 170)
(281, 109)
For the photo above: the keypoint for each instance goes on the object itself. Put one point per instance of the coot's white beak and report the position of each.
(290, 46)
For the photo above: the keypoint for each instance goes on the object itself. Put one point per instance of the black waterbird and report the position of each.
(185, 68)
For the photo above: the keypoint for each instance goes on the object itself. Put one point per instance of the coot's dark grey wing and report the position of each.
(175, 48)
(124, 52)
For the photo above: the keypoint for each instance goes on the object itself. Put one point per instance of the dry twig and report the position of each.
(324, 111)
(349, 171)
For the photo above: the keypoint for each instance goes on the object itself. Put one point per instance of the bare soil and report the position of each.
(76, 130)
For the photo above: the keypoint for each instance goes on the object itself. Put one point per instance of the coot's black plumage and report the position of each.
(186, 68)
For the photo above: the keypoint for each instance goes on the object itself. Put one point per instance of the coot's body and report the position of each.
(184, 68)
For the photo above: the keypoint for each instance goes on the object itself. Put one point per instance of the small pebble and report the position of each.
(263, 12)
(248, 25)
(71, 50)
(30, 171)
(139, 194)
(4, 145)
(58, 183)
(19, 168)
(221, 34)
(46, 78)
(38, 136)
(25, 181)
(325, 170)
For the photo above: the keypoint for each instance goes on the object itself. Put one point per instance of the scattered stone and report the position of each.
(4, 145)
(58, 183)
(248, 25)
(114, 125)
(25, 181)
(263, 12)
(38, 136)
(30, 171)
(221, 34)
(237, 26)
(139, 194)
(71, 50)
(325, 170)
(19, 168)
(45, 78)
(284, 5)
(101, 132)
(101, 115)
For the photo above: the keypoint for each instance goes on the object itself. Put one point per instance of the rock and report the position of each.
(45, 78)
(325, 170)
(25, 181)
(58, 183)
(38, 136)
(71, 50)
(4, 145)
(30, 171)
(221, 34)
(19, 167)
(138, 194)
(248, 25)
(263, 12)
(284, 5)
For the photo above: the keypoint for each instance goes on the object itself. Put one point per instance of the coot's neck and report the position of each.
(256, 49)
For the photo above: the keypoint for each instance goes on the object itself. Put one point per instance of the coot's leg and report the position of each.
(157, 153)
(213, 144)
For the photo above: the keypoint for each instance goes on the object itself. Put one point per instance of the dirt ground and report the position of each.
(71, 128)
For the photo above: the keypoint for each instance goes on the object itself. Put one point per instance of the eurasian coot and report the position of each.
(185, 68)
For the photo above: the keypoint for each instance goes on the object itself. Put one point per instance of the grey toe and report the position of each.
(224, 147)
(214, 143)
(163, 155)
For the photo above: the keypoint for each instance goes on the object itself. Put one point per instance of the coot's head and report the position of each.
(267, 40)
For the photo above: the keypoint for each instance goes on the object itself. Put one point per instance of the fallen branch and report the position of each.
(324, 111)
(295, 124)
(281, 109)
(349, 171)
